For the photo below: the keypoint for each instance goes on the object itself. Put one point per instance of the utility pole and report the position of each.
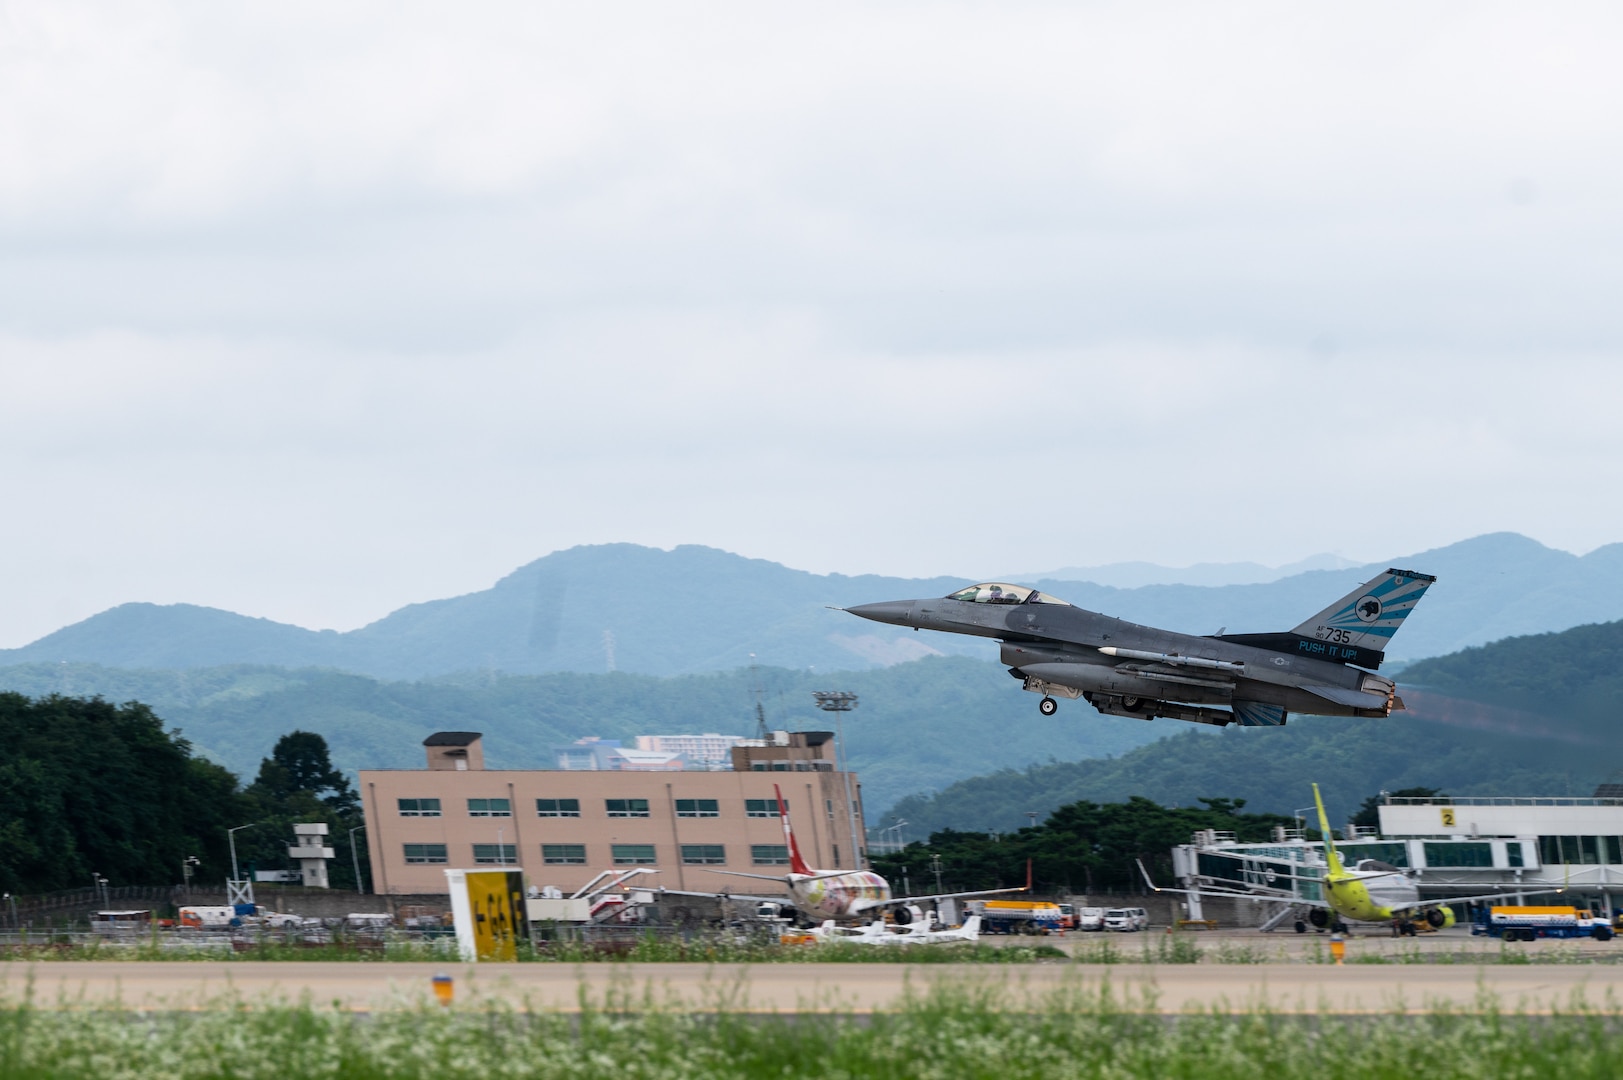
(840, 702)
(354, 858)
(935, 865)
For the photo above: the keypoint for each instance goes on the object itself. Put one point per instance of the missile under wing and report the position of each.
(1325, 666)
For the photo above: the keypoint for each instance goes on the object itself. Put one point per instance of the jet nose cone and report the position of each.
(899, 612)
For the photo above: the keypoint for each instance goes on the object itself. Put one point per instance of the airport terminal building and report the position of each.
(1561, 850)
(564, 827)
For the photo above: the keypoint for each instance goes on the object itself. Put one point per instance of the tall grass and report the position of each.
(952, 1032)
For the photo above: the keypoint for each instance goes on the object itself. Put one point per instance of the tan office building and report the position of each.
(564, 827)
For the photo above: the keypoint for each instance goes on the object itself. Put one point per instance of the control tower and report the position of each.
(311, 851)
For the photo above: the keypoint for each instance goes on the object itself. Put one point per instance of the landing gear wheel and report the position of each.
(1340, 928)
(1301, 927)
(1048, 706)
(1133, 703)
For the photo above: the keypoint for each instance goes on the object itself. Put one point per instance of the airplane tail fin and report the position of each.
(1365, 619)
(1331, 858)
(797, 865)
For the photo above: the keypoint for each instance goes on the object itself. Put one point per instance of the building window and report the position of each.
(495, 854)
(557, 808)
(489, 808)
(698, 808)
(763, 807)
(1513, 852)
(419, 807)
(417, 854)
(1460, 855)
(633, 854)
(769, 854)
(563, 854)
(704, 854)
(830, 803)
(626, 808)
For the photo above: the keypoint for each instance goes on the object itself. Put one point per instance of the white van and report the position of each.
(1127, 918)
(1090, 918)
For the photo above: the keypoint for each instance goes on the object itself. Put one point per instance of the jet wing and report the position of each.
(779, 899)
(871, 905)
(1471, 899)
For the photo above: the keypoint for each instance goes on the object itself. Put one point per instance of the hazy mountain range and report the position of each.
(694, 609)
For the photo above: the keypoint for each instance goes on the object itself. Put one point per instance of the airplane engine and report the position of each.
(1319, 917)
(1440, 918)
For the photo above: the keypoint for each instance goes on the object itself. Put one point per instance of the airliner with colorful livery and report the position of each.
(842, 895)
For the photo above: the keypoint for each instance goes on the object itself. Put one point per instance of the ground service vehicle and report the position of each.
(1530, 923)
(1090, 918)
(1127, 919)
(1017, 916)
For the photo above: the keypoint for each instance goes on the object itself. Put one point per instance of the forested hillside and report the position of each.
(918, 725)
(1575, 677)
(1271, 769)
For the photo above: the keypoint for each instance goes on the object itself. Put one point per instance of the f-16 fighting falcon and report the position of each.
(1324, 667)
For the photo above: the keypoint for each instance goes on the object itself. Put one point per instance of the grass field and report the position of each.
(956, 1032)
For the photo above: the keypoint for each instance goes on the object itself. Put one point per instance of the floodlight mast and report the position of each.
(840, 702)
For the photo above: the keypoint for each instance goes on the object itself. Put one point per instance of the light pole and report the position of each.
(1031, 816)
(935, 864)
(840, 702)
(354, 858)
(186, 865)
(231, 838)
(11, 902)
(101, 884)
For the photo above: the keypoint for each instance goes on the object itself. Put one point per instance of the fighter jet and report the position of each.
(1323, 667)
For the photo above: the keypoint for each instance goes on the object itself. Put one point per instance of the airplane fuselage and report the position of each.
(841, 897)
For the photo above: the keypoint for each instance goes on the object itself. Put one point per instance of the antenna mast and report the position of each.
(755, 688)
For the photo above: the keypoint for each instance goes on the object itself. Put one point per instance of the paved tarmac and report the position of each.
(1165, 988)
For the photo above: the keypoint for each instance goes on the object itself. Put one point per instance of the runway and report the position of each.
(791, 988)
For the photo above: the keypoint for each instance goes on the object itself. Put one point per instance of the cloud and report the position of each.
(312, 310)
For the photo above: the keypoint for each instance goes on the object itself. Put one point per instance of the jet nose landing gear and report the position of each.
(1048, 706)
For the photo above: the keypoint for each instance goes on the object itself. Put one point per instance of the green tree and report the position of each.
(90, 789)
(1082, 847)
(1369, 814)
(297, 784)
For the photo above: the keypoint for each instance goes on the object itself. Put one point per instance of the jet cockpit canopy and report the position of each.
(996, 592)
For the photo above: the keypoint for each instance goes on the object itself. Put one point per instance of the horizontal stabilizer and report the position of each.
(1353, 699)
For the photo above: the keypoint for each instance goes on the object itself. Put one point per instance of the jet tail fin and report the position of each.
(797, 865)
(1332, 860)
(1367, 617)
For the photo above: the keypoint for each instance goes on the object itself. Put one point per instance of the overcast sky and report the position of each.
(311, 310)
